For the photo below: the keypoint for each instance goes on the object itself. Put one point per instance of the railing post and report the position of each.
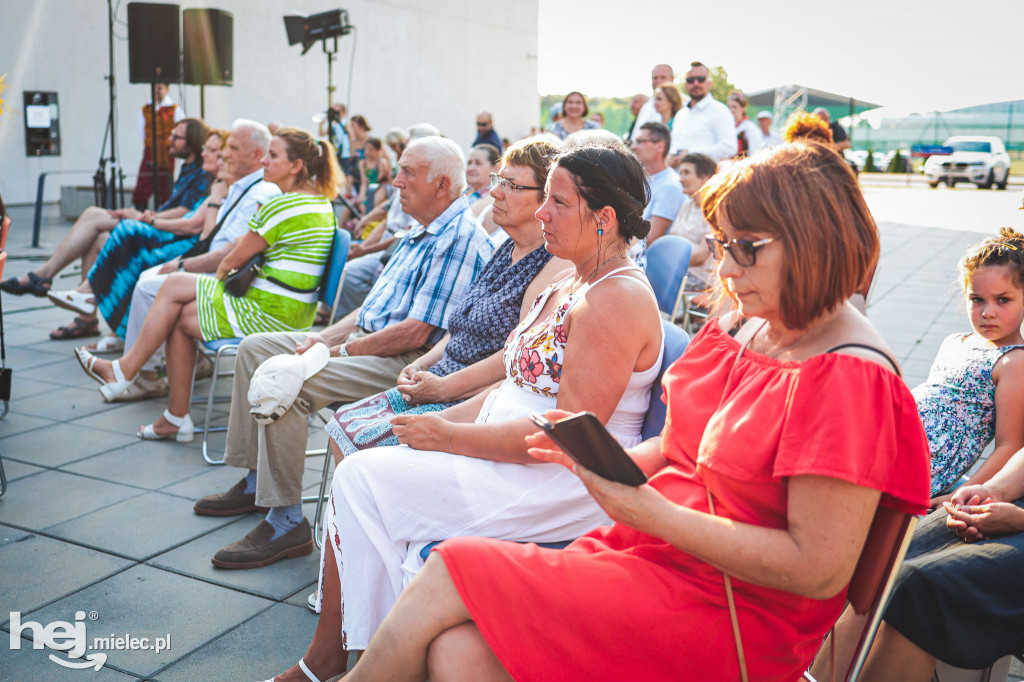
(37, 220)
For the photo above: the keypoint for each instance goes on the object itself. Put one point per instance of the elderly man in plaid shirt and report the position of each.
(403, 315)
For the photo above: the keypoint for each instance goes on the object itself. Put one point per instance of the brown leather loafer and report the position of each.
(232, 503)
(257, 549)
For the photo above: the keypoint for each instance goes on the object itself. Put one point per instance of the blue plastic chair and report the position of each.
(676, 341)
(330, 293)
(668, 260)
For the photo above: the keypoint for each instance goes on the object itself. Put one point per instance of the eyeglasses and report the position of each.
(482, 125)
(506, 184)
(176, 136)
(696, 79)
(743, 251)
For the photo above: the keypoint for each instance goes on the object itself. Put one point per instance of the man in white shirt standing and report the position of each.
(660, 74)
(650, 144)
(708, 127)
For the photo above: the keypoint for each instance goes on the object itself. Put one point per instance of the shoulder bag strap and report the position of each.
(864, 346)
(289, 287)
(732, 608)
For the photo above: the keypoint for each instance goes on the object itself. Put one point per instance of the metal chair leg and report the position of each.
(320, 496)
(318, 529)
(3, 478)
(209, 410)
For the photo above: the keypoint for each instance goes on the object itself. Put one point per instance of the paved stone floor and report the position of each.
(96, 521)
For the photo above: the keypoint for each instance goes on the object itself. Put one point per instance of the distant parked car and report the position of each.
(976, 158)
(857, 158)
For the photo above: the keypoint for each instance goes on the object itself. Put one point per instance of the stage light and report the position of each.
(308, 30)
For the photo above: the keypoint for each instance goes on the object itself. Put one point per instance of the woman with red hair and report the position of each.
(788, 425)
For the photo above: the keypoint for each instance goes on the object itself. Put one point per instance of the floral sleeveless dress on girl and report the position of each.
(957, 404)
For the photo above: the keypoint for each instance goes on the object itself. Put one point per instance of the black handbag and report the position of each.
(238, 281)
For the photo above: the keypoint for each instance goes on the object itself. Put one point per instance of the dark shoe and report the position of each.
(257, 549)
(80, 328)
(37, 286)
(231, 503)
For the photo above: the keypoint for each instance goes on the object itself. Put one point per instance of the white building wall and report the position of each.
(415, 60)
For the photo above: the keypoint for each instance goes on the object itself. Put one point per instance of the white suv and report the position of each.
(975, 158)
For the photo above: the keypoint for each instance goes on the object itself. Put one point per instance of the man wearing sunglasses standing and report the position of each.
(708, 127)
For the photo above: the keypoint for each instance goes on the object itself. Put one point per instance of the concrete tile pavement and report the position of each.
(97, 521)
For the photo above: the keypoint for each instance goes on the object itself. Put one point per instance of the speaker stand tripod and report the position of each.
(110, 194)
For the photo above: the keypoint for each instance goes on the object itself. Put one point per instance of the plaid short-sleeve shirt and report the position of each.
(430, 272)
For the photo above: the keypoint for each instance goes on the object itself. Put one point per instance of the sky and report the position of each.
(907, 55)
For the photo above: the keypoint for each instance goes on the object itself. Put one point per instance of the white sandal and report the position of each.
(108, 344)
(76, 301)
(305, 671)
(184, 434)
(87, 360)
(119, 386)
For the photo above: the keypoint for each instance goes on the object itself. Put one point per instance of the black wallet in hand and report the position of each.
(585, 439)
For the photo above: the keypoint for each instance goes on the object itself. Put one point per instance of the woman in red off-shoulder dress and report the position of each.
(796, 428)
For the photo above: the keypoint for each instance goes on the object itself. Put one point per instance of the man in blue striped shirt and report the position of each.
(404, 314)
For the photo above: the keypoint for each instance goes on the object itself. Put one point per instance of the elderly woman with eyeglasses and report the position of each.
(788, 425)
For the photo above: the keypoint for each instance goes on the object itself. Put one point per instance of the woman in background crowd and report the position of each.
(748, 135)
(573, 116)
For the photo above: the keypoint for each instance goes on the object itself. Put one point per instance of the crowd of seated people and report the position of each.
(491, 284)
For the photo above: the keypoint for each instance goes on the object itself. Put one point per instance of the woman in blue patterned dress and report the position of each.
(294, 230)
(134, 246)
(517, 272)
(976, 376)
(131, 247)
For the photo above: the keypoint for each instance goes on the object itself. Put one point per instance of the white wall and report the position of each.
(415, 60)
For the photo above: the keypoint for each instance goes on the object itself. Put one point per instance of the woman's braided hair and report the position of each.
(610, 176)
(1006, 249)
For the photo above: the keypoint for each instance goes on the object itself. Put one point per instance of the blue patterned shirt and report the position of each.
(430, 272)
(193, 186)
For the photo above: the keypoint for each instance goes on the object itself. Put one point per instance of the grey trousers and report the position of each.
(277, 451)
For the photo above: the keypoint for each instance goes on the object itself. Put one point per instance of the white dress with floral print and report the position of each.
(388, 503)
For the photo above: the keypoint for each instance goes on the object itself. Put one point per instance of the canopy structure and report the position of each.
(783, 100)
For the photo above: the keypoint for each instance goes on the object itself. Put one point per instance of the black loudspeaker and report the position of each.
(154, 39)
(208, 46)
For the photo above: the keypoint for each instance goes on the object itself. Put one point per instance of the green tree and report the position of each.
(869, 162)
(898, 163)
